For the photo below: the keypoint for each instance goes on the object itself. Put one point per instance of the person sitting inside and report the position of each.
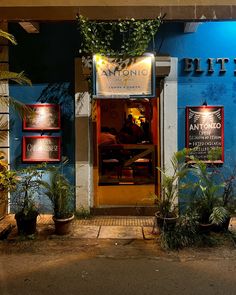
(106, 138)
(144, 125)
(133, 133)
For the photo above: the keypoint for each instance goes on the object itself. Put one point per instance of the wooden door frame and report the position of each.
(156, 189)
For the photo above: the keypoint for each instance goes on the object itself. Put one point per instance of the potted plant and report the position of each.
(228, 197)
(208, 203)
(27, 190)
(172, 184)
(60, 193)
(8, 181)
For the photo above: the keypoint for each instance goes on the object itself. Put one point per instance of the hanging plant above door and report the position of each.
(121, 38)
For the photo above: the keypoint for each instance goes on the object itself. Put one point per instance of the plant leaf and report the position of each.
(8, 36)
(19, 78)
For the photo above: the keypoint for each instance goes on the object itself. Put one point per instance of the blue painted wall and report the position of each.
(215, 40)
(48, 60)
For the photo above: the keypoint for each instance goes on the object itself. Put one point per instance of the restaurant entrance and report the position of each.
(126, 144)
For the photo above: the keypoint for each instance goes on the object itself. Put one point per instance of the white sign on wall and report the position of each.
(117, 78)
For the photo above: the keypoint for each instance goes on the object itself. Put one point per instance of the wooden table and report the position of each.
(127, 156)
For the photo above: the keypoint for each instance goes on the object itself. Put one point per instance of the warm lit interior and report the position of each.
(127, 157)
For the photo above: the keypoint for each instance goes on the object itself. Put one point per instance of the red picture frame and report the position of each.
(41, 149)
(205, 131)
(47, 117)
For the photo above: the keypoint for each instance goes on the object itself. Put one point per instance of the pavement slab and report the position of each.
(121, 232)
(86, 232)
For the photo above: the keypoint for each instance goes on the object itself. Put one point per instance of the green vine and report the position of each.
(122, 38)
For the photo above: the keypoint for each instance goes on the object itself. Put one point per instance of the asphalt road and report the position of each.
(112, 267)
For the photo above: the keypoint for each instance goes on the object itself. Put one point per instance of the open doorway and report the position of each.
(127, 152)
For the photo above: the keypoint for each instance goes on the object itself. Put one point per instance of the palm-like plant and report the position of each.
(19, 78)
(60, 193)
(208, 205)
(172, 184)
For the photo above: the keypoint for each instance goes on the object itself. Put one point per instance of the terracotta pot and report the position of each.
(63, 226)
(26, 225)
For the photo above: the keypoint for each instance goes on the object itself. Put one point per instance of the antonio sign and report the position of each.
(119, 78)
(205, 132)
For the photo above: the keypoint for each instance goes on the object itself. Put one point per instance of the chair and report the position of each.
(110, 161)
(142, 167)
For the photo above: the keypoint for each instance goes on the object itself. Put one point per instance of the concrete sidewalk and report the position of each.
(114, 227)
(97, 227)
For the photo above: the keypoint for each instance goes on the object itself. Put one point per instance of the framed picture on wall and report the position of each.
(41, 148)
(44, 117)
(205, 133)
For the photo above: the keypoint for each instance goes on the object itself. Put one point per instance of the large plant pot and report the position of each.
(222, 227)
(163, 223)
(63, 226)
(211, 227)
(26, 225)
(205, 227)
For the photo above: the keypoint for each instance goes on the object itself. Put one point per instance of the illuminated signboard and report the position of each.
(205, 132)
(117, 78)
(44, 117)
(41, 148)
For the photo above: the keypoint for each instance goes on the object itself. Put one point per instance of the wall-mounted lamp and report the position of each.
(30, 27)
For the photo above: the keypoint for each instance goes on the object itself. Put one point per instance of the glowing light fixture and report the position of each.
(30, 27)
(191, 27)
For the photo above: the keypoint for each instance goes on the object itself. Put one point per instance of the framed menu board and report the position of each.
(44, 117)
(41, 149)
(205, 133)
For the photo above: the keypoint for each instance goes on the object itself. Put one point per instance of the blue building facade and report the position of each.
(48, 60)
